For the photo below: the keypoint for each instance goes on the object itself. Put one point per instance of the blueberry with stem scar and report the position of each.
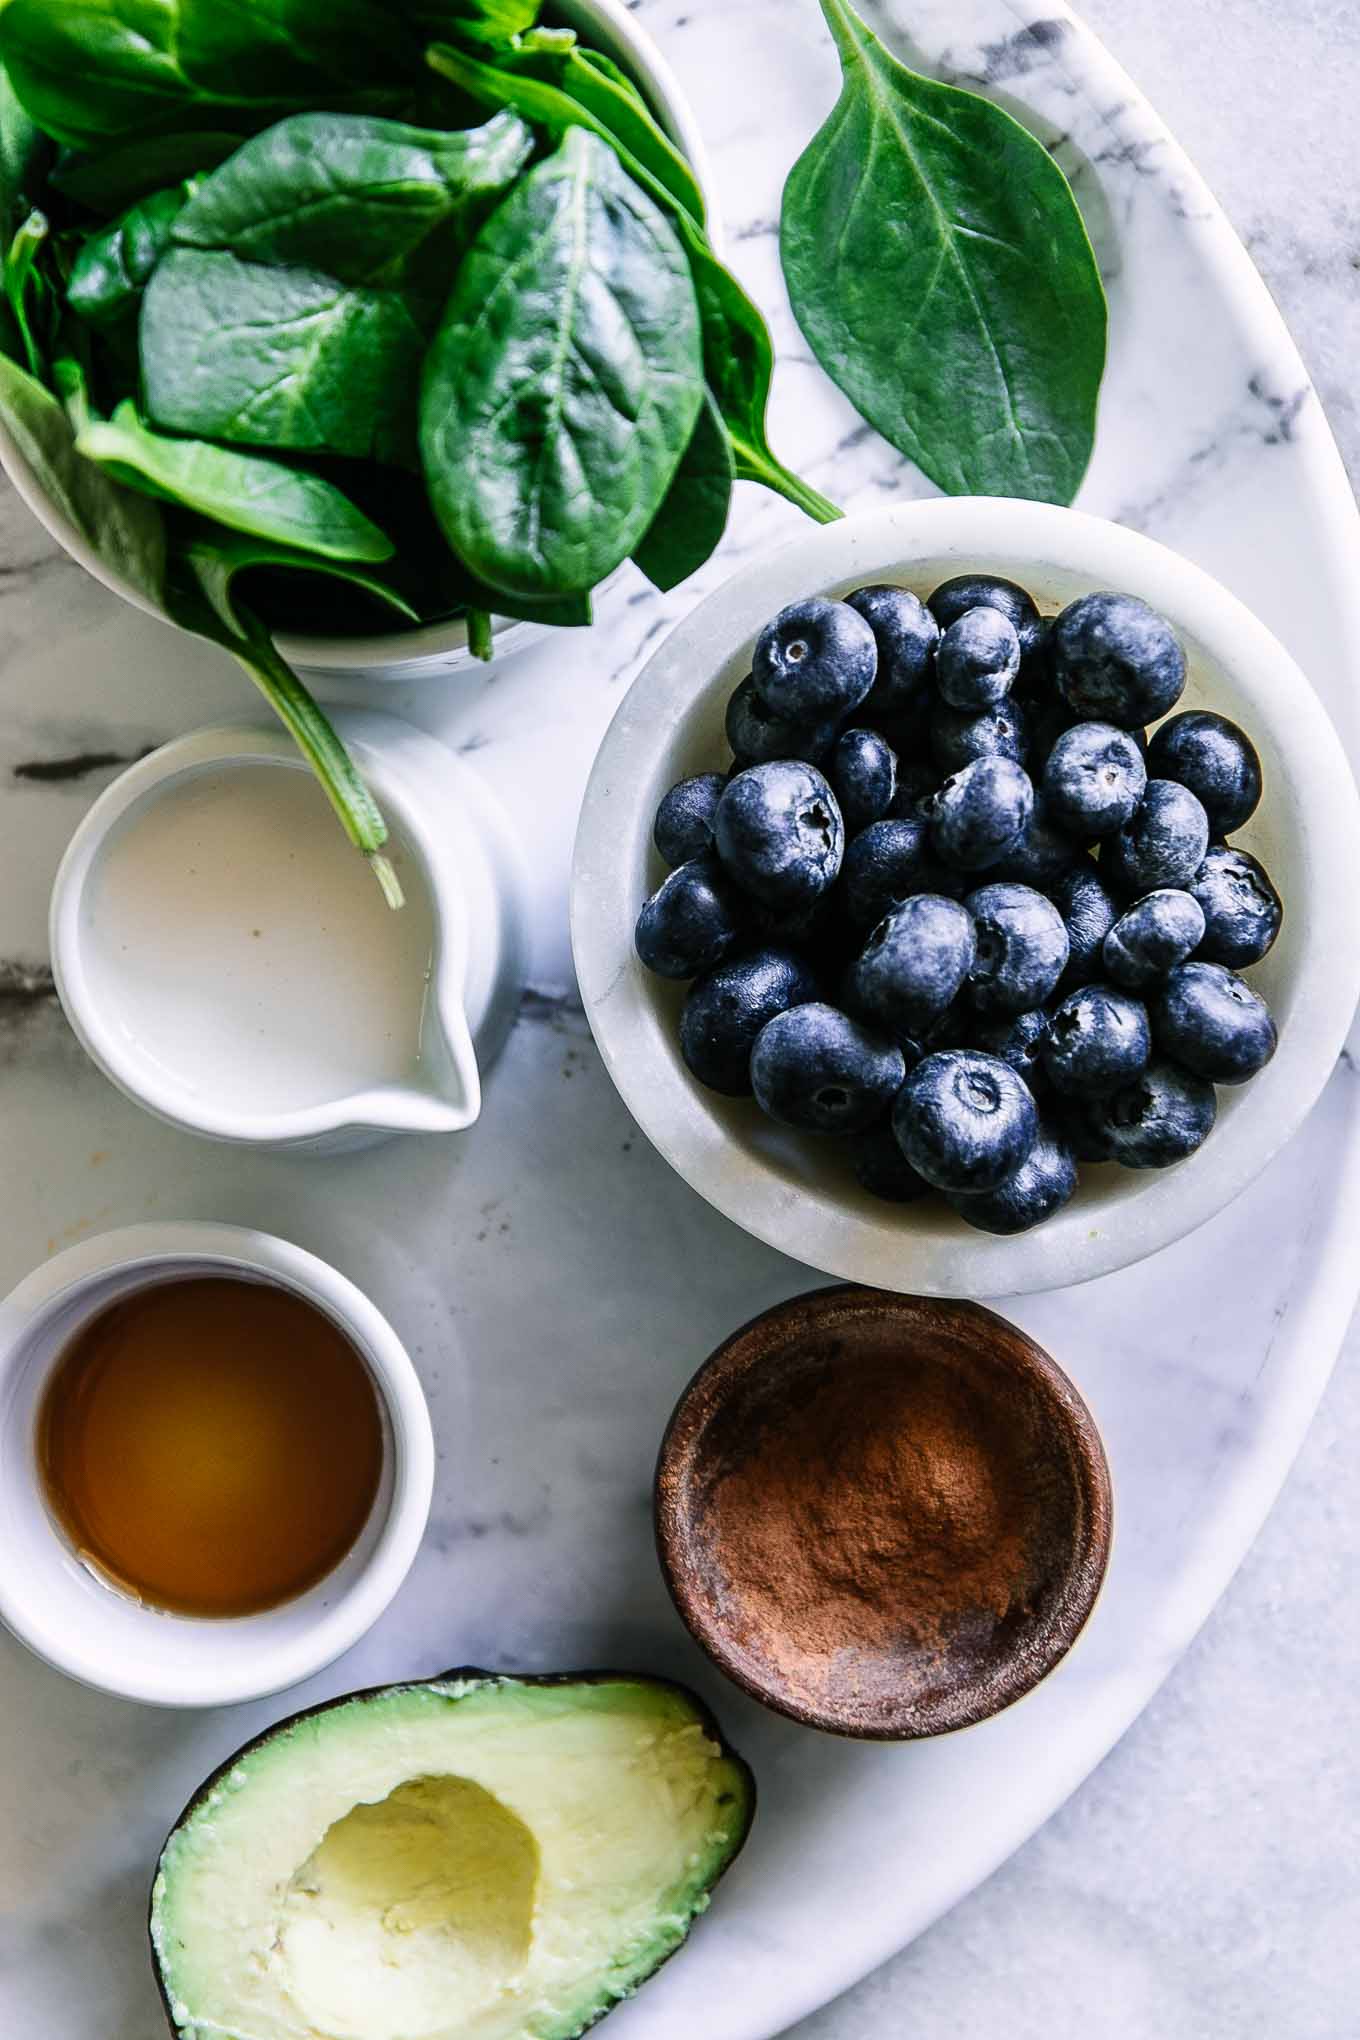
(814, 1068)
(1162, 845)
(980, 813)
(817, 659)
(1157, 1120)
(1098, 1040)
(964, 1121)
(1094, 780)
(1021, 948)
(1242, 910)
(779, 834)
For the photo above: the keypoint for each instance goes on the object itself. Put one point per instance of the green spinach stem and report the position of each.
(755, 466)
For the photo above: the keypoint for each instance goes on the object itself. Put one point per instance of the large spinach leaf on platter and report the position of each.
(353, 195)
(244, 491)
(287, 358)
(938, 265)
(565, 379)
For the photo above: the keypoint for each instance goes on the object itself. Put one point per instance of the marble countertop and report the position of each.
(1201, 1884)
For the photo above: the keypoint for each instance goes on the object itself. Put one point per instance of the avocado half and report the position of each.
(479, 1856)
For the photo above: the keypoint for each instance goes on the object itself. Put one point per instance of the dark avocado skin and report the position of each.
(478, 1673)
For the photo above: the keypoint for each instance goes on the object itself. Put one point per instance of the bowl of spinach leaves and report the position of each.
(350, 333)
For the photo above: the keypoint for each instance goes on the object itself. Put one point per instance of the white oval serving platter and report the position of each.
(554, 1281)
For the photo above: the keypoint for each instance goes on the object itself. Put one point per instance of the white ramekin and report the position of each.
(795, 1192)
(54, 1604)
(429, 651)
(460, 840)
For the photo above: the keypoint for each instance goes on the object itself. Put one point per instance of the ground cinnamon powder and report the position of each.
(892, 1510)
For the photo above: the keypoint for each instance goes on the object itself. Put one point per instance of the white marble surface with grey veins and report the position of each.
(557, 1285)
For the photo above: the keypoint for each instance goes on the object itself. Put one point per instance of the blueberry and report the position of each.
(1151, 937)
(778, 830)
(1216, 760)
(1242, 910)
(757, 737)
(1089, 914)
(1213, 1022)
(1031, 1194)
(965, 1121)
(725, 1010)
(978, 659)
(863, 775)
(1158, 1119)
(684, 821)
(814, 1068)
(1018, 1039)
(957, 738)
(914, 964)
(1040, 854)
(1117, 661)
(980, 813)
(1021, 948)
(886, 864)
(883, 1170)
(953, 599)
(1098, 1040)
(691, 922)
(1093, 781)
(1163, 844)
(817, 659)
(906, 635)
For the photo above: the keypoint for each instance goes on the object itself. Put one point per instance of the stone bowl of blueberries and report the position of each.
(967, 898)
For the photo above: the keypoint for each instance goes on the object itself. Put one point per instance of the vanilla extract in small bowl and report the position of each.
(211, 1446)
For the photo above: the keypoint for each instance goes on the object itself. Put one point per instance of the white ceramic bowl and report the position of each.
(429, 651)
(53, 1603)
(460, 841)
(796, 1193)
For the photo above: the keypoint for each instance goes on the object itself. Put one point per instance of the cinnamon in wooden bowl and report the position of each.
(884, 1516)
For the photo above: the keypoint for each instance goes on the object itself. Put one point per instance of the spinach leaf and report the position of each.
(353, 195)
(938, 265)
(241, 490)
(113, 179)
(600, 88)
(688, 527)
(94, 71)
(28, 293)
(112, 268)
(124, 530)
(738, 353)
(282, 357)
(565, 379)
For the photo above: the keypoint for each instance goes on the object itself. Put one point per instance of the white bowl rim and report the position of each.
(977, 534)
(130, 1251)
(398, 649)
(377, 738)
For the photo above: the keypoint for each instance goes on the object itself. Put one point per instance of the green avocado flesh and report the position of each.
(483, 1857)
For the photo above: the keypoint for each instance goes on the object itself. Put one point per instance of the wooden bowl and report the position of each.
(883, 1516)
